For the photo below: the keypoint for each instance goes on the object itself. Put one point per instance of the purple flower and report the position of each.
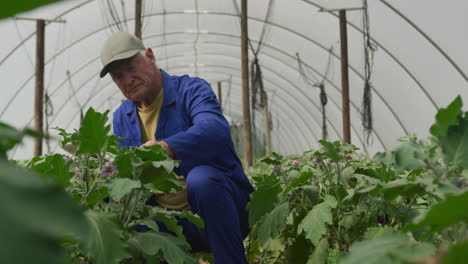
(66, 158)
(108, 169)
(289, 195)
(77, 175)
(296, 163)
(275, 170)
(318, 161)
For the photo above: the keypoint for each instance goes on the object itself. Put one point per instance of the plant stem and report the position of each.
(91, 189)
(132, 210)
(139, 222)
(126, 203)
(101, 157)
(85, 173)
(338, 168)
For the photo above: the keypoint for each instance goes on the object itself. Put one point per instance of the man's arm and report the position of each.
(210, 132)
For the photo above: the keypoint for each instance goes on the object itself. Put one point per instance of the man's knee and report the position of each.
(204, 178)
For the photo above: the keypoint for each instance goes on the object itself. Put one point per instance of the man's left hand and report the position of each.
(170, 152)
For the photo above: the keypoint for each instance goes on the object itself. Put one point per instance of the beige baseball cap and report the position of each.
(119, 46)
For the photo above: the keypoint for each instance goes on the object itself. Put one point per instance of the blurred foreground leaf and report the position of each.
(104, 245)
(447, 213)
(10, 8)
(152, 243)
(36, 214)
(451, 131)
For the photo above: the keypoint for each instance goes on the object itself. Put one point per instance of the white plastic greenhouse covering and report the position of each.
(420, 65)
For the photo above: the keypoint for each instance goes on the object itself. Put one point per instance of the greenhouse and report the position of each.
(234, 131)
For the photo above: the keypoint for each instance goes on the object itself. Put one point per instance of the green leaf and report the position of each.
(455, 144)
(158, 176)
(406, 156)
(182, 214)
(172, 248)
(386, 247)
(35, 215)
(191, 217)
(457, 254)
(151, 153)
(332, 150)
(252, 252)
(449, 212)
(93, 133)
(376, 232)
(263, 200)
(273, 224)
(168, 165)
(384, 173)
(96, 196)
(274, 159)
(10, 8)
(10, 136)
(151, 224)
(274, 247)
(104, 245)
(320, 254)
(299, 251)
(124, 162)
(55, 167)
(170, 222)
(66, 137)
(114, 144)
(311, 193)
(169, 219)
(402, 187)
(348, 221)
(314, 224)
(451, 131)
(447, 117)
(302, 179)
(120, 187)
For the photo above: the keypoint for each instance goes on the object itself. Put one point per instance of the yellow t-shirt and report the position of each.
(149, 118)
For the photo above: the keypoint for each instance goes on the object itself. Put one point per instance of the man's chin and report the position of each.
(137, 95)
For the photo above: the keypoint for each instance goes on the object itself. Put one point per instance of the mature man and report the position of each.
(182, 114)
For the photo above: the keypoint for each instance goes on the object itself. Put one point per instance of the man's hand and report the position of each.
(170, 152)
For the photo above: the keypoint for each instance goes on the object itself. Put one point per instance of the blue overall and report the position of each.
(218, 190)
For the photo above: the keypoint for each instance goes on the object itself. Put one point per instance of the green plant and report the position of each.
(111, 186)
(336, 205)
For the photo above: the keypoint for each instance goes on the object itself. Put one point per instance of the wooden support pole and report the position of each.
(39, 88)
(247, 130)
(266, 122)
(39, 85)
(138, 18)
(220, 95)
(345, 77)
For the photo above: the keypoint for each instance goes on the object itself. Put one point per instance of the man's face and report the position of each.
(136, 76)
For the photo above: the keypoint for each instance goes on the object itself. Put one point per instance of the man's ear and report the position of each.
(150, 55)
